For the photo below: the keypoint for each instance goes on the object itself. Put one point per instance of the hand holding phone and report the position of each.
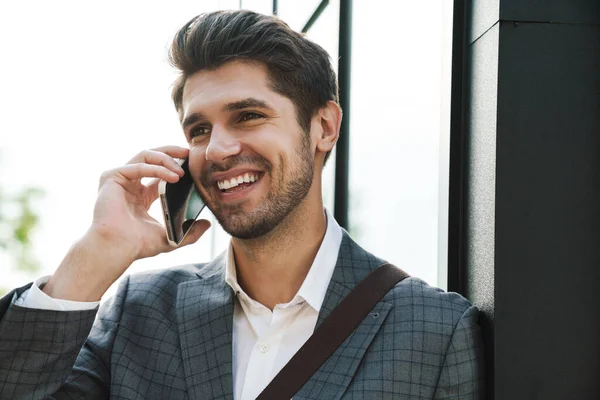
(181, 204)
(122, 231)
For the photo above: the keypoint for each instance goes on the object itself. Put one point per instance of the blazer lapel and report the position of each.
(334, 376)
(205, 322)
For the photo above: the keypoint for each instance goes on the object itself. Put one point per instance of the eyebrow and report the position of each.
(192, 119)
(229, 107)
(245, 103)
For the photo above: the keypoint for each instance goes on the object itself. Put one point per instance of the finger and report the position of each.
(172, 151)
(138, 171)
(157, 158)
(198, 229)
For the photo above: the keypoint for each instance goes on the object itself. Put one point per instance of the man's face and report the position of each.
(249, 157)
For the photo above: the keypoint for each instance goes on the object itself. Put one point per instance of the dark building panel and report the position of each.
(547, 244)
(563, 11)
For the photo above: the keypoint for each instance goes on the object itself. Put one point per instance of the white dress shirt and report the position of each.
(35, 298)
(263, 340)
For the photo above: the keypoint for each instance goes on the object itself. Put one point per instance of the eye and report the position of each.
(248, 116)
(199, 131)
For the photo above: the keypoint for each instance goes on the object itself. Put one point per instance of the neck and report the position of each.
(271, 268)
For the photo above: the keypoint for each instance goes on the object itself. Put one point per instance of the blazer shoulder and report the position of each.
(415, 292)
(171, 275)
(158, 286)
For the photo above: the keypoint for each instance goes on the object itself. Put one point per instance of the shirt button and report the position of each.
(263, 348)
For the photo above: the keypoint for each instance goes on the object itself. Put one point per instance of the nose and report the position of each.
(222, 145)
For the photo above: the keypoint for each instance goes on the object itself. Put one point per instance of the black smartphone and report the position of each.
(181, 204)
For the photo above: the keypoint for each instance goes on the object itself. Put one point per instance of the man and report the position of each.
(258, 106)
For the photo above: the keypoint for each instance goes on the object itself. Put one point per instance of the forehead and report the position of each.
(233, 81)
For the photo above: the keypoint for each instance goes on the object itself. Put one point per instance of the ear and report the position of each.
(330, 120)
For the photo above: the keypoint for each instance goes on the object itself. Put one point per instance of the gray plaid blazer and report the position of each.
(167, 335)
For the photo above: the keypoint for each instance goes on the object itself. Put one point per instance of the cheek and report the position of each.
(197, 158)
(273, 142)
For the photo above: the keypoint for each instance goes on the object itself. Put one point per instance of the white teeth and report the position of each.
(233, 182)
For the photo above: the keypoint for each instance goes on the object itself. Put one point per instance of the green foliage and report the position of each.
(18, 221)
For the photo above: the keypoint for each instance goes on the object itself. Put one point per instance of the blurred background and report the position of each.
(84, 86)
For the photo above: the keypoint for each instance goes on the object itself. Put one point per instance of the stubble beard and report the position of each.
(283, 197)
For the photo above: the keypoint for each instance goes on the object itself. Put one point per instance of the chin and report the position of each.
(248, 224)
(247, 231)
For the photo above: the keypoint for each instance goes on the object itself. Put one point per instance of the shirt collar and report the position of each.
(315, 284)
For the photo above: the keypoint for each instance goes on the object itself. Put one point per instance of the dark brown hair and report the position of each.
(298, 68)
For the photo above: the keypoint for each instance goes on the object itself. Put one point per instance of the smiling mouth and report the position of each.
(239, 182)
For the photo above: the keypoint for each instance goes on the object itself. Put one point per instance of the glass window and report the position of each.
(296, 13)
(395, 128)
(260, 6)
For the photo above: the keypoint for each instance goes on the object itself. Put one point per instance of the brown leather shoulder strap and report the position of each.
(333, 331)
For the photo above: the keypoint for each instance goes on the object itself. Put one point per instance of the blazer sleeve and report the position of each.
(462, 375)
(46, 354)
